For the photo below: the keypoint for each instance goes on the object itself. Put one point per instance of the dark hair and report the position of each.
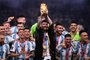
(19, 23)
(5, 22)
(26, 28)
(67, 35)
(20, 16)
(74, 22)
(20, 29)
(58, 23)
(44, 21)
(82, 32)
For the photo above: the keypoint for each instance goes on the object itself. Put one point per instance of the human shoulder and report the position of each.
(16, 42)
(6, 46)
(33, 26)
(14, 29)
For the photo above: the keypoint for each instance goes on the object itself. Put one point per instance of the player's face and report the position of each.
(84, 36)
(8, 32)
(21, 20)
(73, 27)
(44, 25)
(20, 26)
(59, 29)
(2, 29)
(27, 33)
(6, 26)
(68, 40)
(21, 33)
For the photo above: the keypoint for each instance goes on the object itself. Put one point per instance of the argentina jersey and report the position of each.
(17, 48)
(8, 39)
(15, 36)
(59, 41)
(83, 50)
(66, 53)
(64, 33)
(14, 29)
(33, 44)
(4, 51)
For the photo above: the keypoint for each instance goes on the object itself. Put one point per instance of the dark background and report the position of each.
(59, 10)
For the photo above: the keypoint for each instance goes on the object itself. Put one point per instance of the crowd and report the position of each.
(45, 40)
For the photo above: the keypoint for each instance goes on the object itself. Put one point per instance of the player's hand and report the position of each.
(27, 56)
(10, 18)
(23, 51)
(14, 55)
(43, 9)
(63, 45)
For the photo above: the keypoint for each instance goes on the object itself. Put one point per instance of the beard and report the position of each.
(58, 32)
(45, 28)
(73, 29)
(68, 44)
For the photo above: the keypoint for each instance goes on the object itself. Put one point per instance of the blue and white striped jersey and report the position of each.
(33, 44)
(8, 39)
(83, 50)
(14, 29)
(4, 51)
(59, 39)
(65, 32)
(17, 48)
(15, 36)
(66, 53)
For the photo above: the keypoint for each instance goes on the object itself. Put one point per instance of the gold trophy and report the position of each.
(43, 9)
